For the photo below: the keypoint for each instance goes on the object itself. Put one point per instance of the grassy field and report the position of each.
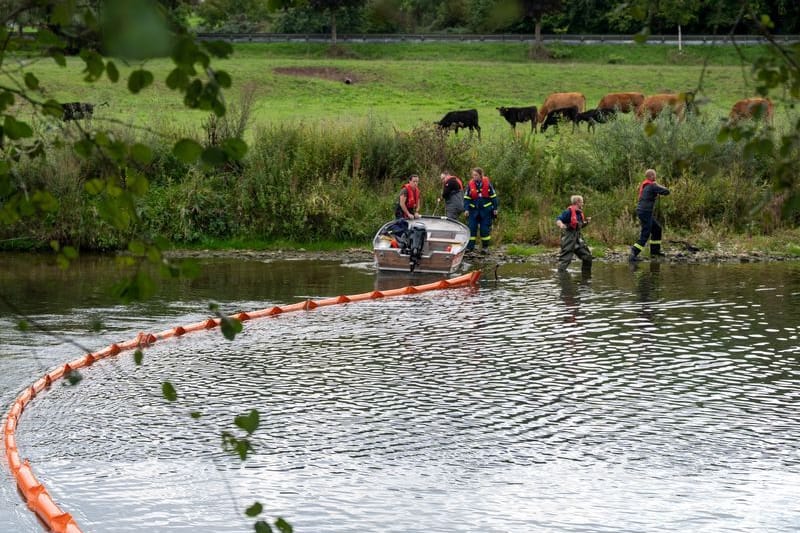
(318, 144)
(404, 85)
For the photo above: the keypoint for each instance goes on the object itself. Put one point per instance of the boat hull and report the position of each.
(443, 252)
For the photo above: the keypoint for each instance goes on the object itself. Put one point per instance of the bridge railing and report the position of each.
(508, 37)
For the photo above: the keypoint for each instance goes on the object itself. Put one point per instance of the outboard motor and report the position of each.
(416, 243)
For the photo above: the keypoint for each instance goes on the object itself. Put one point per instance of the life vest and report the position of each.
(473, 189)
(574, 223)
(412, 196)
(644, 184)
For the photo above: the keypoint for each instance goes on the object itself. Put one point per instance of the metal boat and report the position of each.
(428, 244)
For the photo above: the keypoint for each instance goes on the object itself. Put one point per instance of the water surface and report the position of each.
(661, 398)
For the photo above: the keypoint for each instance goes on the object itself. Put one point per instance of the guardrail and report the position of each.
(491, 38)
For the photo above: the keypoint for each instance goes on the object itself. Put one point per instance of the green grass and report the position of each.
(405, 85)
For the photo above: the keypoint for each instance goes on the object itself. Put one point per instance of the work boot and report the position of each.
(655, 251)
(484, 250)
(634, 256)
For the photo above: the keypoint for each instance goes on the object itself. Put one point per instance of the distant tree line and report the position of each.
(488, 16)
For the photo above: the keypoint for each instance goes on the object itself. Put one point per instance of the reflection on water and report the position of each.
(655, 398)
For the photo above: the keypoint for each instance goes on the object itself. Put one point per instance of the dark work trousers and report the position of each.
(573, 244)
(480, 218)
(651, 229)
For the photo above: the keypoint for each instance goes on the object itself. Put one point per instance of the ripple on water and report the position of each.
(529, 406)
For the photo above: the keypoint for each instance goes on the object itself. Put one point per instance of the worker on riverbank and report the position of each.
(409, 202)
(571, 221)
(480, 205)
(649, 191)
(452, 189)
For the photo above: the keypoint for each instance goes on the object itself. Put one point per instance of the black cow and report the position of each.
(460, 119)
(595, 116)
(514, 115)
(561, 114)
(78, 110)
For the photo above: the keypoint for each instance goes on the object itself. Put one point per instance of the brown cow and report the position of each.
(750, 107)
(678, 103)
(561, 101)
(624, 102)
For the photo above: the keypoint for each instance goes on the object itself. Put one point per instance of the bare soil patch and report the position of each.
(326, 73)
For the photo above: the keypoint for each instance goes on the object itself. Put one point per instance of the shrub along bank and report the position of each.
(325, 183)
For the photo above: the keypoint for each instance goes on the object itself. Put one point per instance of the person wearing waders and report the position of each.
(452, 190)
(571, 221)
(480, 206)
(649, 192)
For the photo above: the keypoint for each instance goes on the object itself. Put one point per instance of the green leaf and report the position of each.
(139, 79)
(52, 108)
(702, 149)
(137, 183)
(15, 129)
(31, 81)
(136, 247)
(141, 153)
(235, 148)
(23, 326)
(61, 13)
(283, 526)
(45, 201)
(248, 422)
(70, 252)
(177, 79)
(254, 510)
(94, 186)
(94, 65)
(84, 148)
(59, 58)
(189, 268)
(219, 49)
(213, 156)
(187, 150)
(168, 391)
(112, 72)
(223, 78)
(195, 414)
(73, 377)
(262, 527)
(138, 356)
(230, 327)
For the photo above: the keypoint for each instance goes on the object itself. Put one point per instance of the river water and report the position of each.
(661, 397)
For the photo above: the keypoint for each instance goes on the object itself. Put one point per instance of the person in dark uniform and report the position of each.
(571, 220)
(480, 205)
(649, 191)
(452, 193)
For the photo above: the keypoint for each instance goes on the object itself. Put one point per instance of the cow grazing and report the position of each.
(460, 119)
(561, 101)
(623, 102)
(78, 110)
(514, 115)
(750, 108)
(560, 115)
(677, 103)
(595, 116)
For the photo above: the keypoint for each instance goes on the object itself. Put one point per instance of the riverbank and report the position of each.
(676, 252)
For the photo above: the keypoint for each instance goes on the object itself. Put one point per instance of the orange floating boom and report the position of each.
(36, 495)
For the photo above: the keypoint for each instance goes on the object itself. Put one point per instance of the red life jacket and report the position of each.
(473, 188)
(412, 196)
(644, 184)
(574, 223)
